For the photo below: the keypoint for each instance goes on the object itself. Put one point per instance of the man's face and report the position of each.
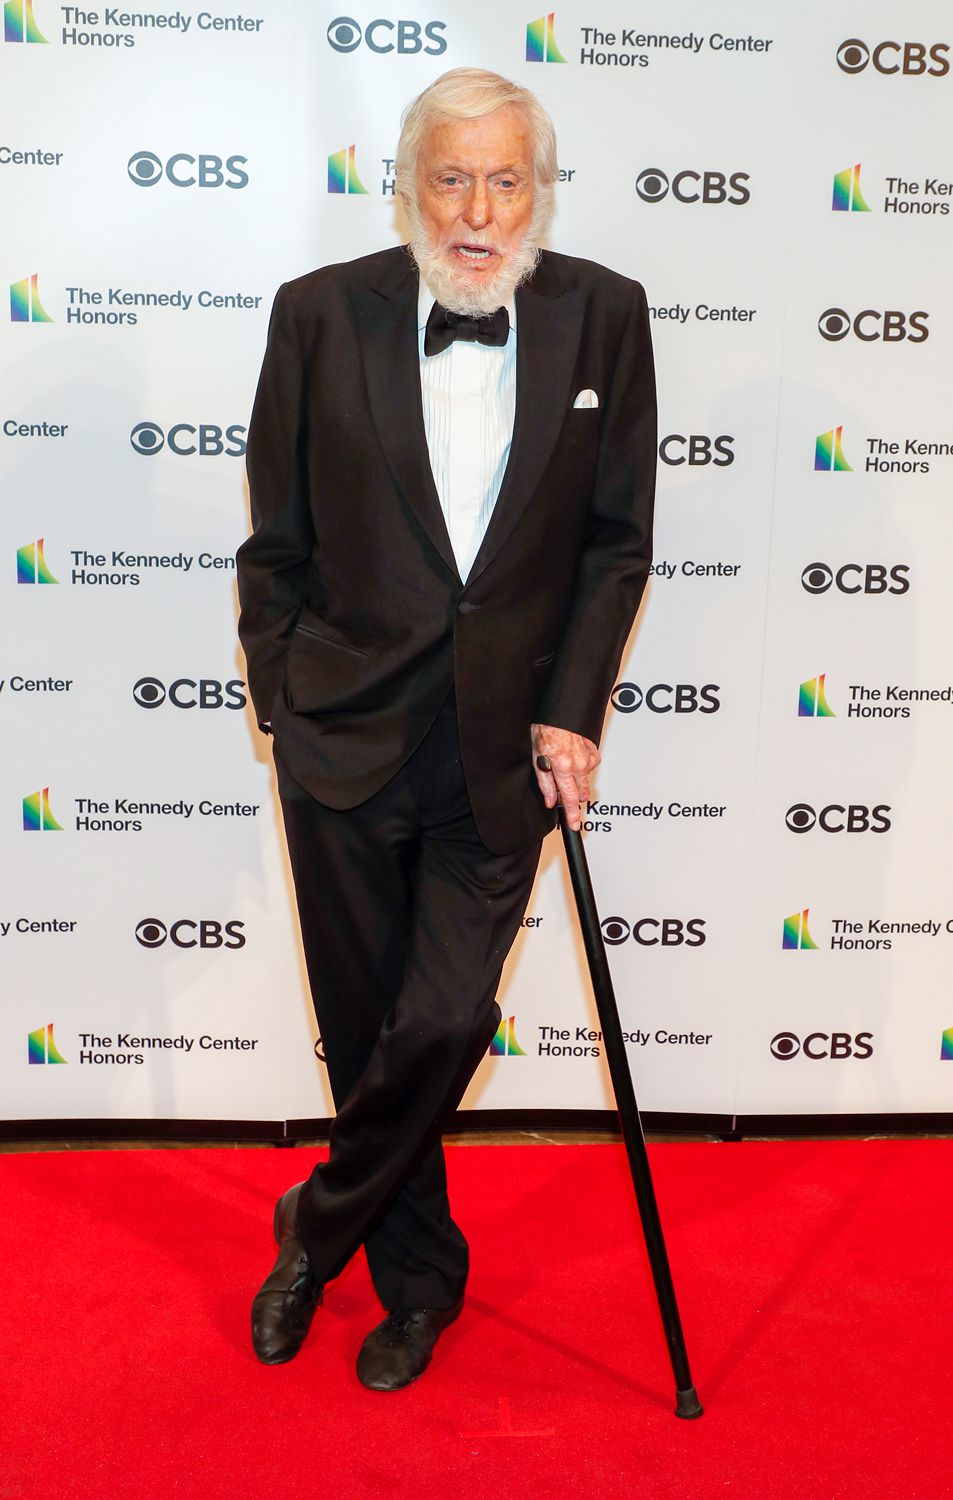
(475, 198)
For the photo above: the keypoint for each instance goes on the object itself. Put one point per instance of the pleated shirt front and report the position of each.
(469, 405)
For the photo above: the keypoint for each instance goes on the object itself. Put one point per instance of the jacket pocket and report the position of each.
(328, 638)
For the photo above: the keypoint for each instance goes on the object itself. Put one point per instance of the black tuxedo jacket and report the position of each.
(354, 619)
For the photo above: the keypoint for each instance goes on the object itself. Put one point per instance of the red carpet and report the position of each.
(815, 1287)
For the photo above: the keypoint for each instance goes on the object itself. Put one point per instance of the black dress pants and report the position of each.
(406, 919)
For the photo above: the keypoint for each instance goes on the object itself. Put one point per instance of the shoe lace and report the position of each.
(399, 1324)
(304, 1284)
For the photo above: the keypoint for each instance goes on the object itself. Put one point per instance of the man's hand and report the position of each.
(572, 758)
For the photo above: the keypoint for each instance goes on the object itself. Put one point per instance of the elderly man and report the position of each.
(451, 462)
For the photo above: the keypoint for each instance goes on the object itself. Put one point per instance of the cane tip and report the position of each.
(687, 1404)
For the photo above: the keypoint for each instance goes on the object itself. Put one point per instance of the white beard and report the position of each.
(451, 285)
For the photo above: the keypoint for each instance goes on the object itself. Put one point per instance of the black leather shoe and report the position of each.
(401, 1347)
(282, 1310)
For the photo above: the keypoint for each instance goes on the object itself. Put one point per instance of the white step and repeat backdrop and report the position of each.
(770, 836)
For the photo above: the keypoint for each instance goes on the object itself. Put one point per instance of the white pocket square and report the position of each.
(586, 398)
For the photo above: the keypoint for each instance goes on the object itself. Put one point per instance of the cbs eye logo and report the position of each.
(615, 930)
(149, 692)
(344, 34)
(151, 933)
(144, 169)
(626, 697)
(785, 1045)
(833, 324)
(817, 578)
(147, 438)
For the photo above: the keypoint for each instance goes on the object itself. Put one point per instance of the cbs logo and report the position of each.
(207, 439)
(836, 818)
(664, 698)
(651, 932)
(345, 35)
(187, 692)
(146, 169)
(911, 58)
(189, 933)
(891, 327)
(834, 1045)
(857, 578)
(652, 185)
(696, 450)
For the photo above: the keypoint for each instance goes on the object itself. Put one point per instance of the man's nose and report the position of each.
(478, 210)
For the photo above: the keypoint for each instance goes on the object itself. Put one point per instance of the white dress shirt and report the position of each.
(469, 404)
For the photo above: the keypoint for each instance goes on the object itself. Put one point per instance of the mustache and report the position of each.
(480, 239)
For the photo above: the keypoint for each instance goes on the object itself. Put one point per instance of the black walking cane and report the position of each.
(687, 1403)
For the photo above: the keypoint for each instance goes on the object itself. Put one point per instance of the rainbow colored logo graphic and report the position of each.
(342, 173)
(796, 935)
(38, 815)
(504, 1044)
(541, 41)
(32, 566)
(25, 304)
(41, 1047)
(848, 199)
(19, 24)
(946, 1045)
(829, 452)
(812, 701)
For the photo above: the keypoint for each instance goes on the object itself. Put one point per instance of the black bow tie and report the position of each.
(444, 326)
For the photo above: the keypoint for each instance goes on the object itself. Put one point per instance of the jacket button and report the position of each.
(466, 608)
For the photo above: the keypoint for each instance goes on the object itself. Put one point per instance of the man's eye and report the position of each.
(507, 183)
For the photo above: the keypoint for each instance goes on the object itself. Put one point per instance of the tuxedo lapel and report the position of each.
(386, 316)
(548, 329)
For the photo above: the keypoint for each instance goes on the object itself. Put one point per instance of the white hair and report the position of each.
(467, 94)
